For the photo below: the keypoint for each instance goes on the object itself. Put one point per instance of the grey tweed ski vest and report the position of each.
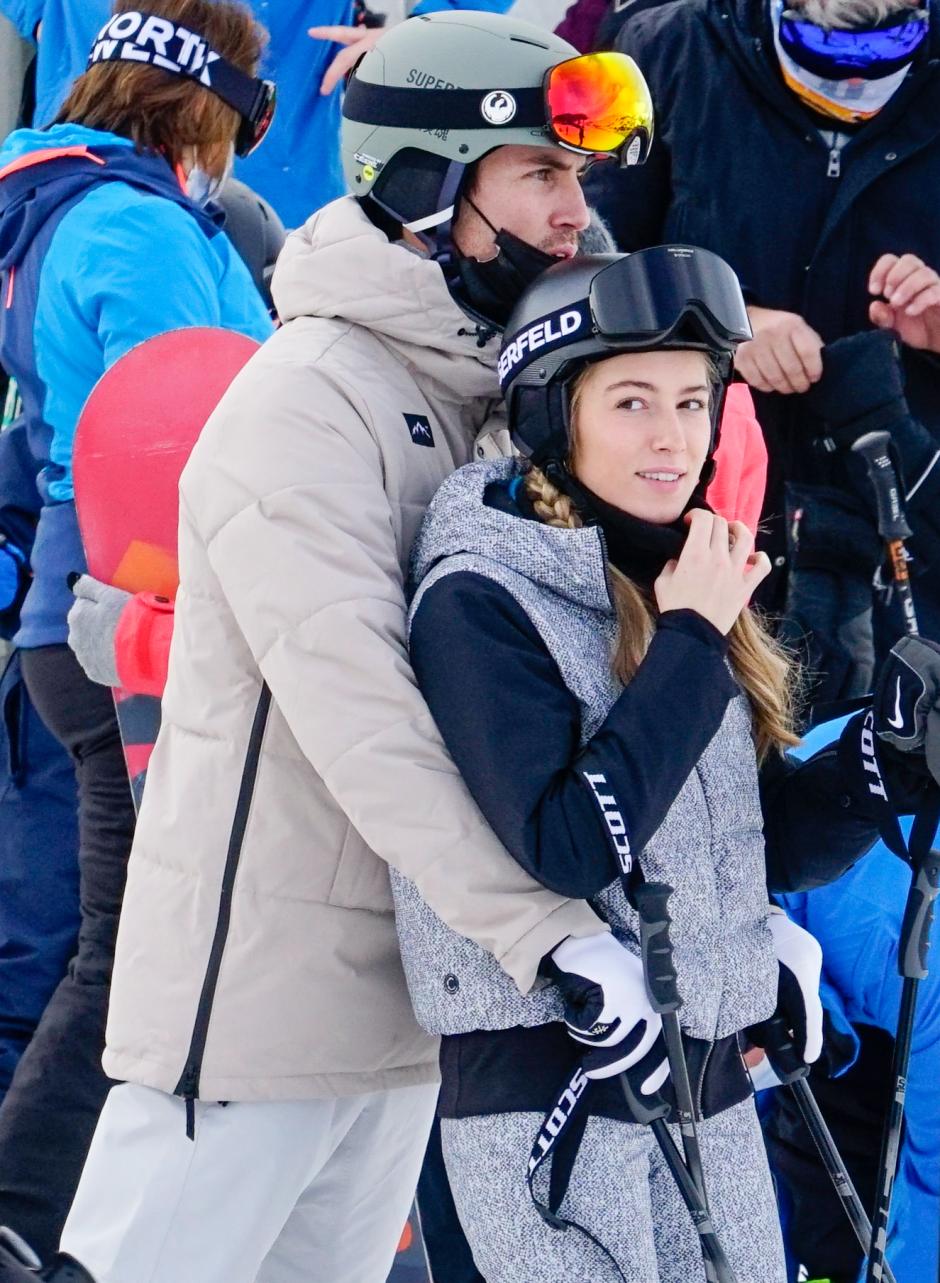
(709, 848)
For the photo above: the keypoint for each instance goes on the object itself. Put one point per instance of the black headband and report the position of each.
(149, 39)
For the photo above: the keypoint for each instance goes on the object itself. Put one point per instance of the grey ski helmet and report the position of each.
(440, 91)
(585, 309)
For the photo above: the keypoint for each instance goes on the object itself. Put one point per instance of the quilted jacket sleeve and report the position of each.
(301, 537)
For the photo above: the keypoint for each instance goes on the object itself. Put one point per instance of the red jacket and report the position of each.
(142, 640)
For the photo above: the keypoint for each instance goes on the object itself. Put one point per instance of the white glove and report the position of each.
(800, 959)
(607, 1009)
(93, 622)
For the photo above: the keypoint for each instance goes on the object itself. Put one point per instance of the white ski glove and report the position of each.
(608, 1011)
(93, 622)
(800, 960)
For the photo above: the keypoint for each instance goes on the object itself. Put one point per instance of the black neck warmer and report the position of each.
(639, 549)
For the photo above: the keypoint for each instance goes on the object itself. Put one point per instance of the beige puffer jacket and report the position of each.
(298, 510)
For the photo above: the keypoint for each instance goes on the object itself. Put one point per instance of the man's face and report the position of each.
(533, 192)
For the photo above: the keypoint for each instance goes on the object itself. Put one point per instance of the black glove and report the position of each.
(862, 390)
(907, 701)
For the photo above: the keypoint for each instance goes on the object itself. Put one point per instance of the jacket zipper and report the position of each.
(834, 169)
(188, 1085)
(700, 1085)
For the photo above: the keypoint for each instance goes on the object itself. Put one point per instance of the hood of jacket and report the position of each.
(40, 170)
(339, 266)
(570, 563)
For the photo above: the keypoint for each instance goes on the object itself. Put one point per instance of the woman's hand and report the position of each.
(716, 573)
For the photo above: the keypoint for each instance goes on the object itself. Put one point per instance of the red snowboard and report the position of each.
(133, 438)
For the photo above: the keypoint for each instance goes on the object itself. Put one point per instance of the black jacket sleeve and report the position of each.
(566, 813)
(815, 825)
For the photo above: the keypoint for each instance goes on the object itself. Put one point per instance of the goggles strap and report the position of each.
(400, 107)
(152, 40)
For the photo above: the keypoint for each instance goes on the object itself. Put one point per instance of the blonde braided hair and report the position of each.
(762, 666)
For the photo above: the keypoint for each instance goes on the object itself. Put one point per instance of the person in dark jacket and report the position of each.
(857, 921)
(106, 239)
(38, 822)
(580, 632)
(816, 198)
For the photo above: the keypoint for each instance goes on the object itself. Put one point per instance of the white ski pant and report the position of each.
(312, 1191)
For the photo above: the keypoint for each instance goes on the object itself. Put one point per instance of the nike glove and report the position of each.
(907, 700)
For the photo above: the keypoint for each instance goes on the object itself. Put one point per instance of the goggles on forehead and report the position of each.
(151, 40)
(645, 298)
(595, 103)
(863, 53)
(668, 296)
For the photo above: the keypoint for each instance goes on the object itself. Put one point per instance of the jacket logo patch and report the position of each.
(419, 425)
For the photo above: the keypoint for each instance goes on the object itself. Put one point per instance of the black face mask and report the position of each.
(493, 288)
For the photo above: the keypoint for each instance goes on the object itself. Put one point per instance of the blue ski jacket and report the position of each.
(857, 920)
(298, 168)
(99, 250)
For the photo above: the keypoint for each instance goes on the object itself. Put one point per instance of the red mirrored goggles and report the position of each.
(597, 103)
(600, 102)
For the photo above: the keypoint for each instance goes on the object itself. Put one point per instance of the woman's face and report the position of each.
(641, 431)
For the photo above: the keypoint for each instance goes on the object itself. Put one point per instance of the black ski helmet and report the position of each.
(589, 308)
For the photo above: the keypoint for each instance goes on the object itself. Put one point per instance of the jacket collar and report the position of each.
(40, 170)
(339, 266)
(569, 563)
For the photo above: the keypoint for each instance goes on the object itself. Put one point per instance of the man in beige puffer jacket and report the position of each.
(257, 962)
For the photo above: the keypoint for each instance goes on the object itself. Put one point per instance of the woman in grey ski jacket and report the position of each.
(581, 633)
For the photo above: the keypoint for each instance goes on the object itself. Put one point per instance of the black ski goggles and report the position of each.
(665, 293)
(863, 53)
(670, 296)
(151, 40)
(595, 104)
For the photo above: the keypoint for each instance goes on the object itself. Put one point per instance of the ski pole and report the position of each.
(652, 904)
(918, 912)
(717, 1266)
(793, 1072)
(892, 523)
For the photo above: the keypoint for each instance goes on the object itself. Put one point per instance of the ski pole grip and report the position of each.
(918, 918)
(874, 449)
(786, 1061)
(659, 969)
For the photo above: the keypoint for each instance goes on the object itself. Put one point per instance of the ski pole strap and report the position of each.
(565, 1122)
